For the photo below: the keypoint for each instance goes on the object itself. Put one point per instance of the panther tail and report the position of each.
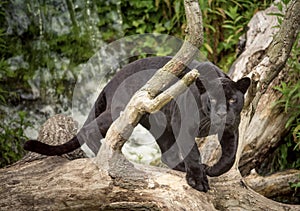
(45, 149)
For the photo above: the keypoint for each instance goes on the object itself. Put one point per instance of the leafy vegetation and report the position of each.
(12, 138)
(288, 154)
(39, 47)
(224, 22)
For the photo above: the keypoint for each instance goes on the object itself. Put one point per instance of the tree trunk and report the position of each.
(112, 183)
(267, 50)
(55, 183)
(270, 185)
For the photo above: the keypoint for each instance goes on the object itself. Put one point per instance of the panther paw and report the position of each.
(197, 178)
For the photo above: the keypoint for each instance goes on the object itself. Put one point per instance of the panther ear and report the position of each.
(243, 84)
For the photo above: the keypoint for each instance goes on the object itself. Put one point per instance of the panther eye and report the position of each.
(232, 100)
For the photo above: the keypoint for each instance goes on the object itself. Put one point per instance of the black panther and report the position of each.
(211, 105)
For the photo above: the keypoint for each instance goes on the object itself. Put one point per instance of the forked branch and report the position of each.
(122, 127)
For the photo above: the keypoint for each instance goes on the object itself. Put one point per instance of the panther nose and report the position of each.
(222, 111)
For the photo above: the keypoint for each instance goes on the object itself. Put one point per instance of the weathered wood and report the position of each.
(154, 105)
(55, 183)
(231, 193)
(277, 184)
(57, 130)
(262, 125)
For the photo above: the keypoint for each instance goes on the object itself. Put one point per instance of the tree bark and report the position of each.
(275, 184)
(263, 125)
(55, 183)
(112, 183)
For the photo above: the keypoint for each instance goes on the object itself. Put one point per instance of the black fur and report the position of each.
(211, 106)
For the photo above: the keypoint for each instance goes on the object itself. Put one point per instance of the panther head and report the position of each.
(223, 101)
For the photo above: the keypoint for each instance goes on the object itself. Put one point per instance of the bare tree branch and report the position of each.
(162, 99)
(280, 49)
(122, 127)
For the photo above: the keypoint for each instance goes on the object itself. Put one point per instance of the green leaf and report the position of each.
(232, 12)
(208, 48)
(226, 26)
(276, 14)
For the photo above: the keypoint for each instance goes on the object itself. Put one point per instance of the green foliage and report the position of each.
(285, 156)
(288, 155)
(39, 42)
(4, 69)
(290, 99)
(164, 17)
(109, 23)
(224, 22)
(12, 138)
(295, 185)
(158, 17)
(42, 42)
(281, 5)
